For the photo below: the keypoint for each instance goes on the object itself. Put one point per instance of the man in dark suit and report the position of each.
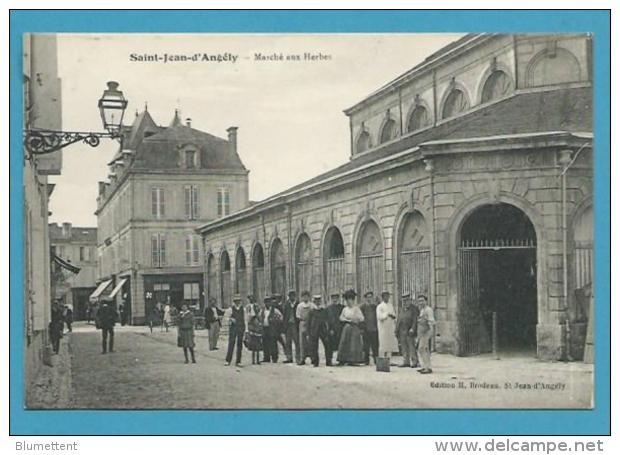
(272, 323)
(56, 326)
(236, 329)
(319, 330)
(289, 326)
(106, 320)
(334, 309)
(370, 333)
(406, 332)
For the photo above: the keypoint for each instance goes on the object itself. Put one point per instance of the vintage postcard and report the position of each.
(308, 221)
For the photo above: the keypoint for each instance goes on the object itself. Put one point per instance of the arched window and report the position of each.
(414, 255)
(333, 262)
(303, 264)
(553, 66)
(278, 268)
(363, 142)
(258, 272)
(456, 102)
(388, 132)
(496, 86)
(370, 259)
(211, 278)
(225, 284)
(418, 119)
(240, 275)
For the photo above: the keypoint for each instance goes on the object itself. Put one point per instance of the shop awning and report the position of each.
(65, 265)
(102, 286)
(117, 288)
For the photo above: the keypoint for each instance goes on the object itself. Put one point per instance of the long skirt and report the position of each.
(186, 338)
(351, 348)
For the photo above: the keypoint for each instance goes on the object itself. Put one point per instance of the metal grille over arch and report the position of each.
(211, 278)
(370, 259)
(240, 273)
(333, 262)
(278, 268)
(497, 272)
(583, 249)
(303, 264)
(258, 272)
(414, 255)
(225, 283)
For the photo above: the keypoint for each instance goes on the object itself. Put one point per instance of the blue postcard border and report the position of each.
(414, 422)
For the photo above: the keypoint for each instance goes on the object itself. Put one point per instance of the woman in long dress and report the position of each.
(254, 340)
(351, 348)
(186, 333)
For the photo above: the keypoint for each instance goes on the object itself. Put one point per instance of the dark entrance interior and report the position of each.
(498, 276)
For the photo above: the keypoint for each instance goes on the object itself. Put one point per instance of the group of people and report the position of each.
(355, 331)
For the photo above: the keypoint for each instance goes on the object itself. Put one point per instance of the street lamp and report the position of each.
(112, 105)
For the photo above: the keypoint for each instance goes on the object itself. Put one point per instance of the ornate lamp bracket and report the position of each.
(42, 142)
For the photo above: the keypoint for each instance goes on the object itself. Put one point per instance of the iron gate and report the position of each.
(415, 266)
(370, 273)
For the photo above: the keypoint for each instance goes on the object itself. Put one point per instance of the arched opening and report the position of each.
(211, 278)
(240, 275)
(418, 119)
(497, 280)
(370, 259)
(303, 264)
(258, 272)
(278, 268)
(414, 256)
(496, 86)
(455, 103)
(333, 262)
(225, 284)
(363, 142)
(388, 132)
(551, 67)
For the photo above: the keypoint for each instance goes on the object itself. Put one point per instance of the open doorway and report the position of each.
(497, 277)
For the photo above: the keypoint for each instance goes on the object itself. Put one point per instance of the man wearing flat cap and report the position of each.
(290, 327)
(369, 334)
(319, 330)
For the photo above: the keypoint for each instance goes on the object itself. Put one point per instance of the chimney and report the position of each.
(66, 229)
(188, 122)
(232, 137)
(101, 188)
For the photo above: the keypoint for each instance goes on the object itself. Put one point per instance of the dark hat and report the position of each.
(317, 297)
(385, 293)
(335, 295)
(349, 294)
(422, 296)
(305, 293)
(406, 295)
(267, 299)
(369, 294)
(292, 292)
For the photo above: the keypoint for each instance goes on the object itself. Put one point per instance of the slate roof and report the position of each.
(78, 234)
(568, 109)
(159, 151)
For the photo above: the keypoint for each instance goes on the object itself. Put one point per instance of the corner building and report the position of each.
(162, 184)
(470, 181)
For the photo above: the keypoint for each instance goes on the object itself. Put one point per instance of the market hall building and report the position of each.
(469, 181)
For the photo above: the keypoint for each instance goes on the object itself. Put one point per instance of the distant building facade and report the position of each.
(42, 109)
(164, 183)
(77, 246)
(470, 181)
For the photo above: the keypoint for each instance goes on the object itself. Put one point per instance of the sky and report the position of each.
(289, 113)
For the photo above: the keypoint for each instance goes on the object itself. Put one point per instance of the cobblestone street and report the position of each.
(147, 371)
